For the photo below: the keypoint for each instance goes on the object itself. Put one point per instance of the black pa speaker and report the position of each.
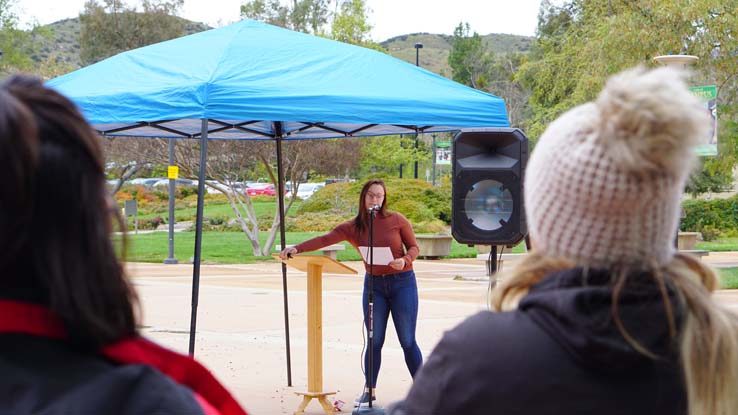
(487, 186)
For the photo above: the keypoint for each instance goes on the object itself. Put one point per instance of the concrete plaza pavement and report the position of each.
(240, 324)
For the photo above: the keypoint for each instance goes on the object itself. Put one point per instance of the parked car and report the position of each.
(259, 189)
(145, 181)
(305, 190)
(212, 190)
(338, 180)
(178, 182)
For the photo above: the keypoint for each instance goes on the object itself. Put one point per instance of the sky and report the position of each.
(388, 17)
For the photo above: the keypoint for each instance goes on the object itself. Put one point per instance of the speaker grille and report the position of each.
(488, 205)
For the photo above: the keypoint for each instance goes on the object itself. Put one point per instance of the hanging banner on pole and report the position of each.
(443, 152)
(708, 93)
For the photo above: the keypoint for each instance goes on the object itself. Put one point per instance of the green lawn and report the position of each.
(220, 247)
(261, 206)
(234, 247)
(729, 277)
(724, 244)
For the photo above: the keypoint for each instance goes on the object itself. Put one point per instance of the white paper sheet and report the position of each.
(382, 254)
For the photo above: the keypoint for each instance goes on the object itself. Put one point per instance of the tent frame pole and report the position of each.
(198, 232)
(280, 196)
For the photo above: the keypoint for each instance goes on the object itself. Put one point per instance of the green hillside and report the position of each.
(434, 54)
(64, 45)
(64, 41)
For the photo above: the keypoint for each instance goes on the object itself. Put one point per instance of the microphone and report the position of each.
(374, 208)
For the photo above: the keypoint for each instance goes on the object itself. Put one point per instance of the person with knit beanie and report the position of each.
(603, 315)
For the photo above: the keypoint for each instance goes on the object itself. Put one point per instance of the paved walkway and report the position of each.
(240, 325)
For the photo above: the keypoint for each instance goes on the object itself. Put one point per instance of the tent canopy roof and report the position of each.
(253, 81)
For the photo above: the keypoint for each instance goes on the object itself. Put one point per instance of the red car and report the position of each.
(260, 189)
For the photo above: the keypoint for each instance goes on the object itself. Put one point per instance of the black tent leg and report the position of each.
(198, 233)
(280, 198)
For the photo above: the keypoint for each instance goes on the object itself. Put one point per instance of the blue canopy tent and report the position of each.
(253, 81)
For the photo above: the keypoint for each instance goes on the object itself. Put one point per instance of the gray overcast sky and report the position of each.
(388, 17)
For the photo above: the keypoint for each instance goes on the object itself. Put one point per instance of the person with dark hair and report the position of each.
(603, 316)
(394, 287)
(69, 342)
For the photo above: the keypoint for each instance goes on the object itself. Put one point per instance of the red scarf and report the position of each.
(214, 399)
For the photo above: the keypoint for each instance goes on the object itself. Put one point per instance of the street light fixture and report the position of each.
(677, 61)
(682, 62)
(418, 46)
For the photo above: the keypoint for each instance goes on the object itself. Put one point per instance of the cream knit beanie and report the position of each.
(604, 182)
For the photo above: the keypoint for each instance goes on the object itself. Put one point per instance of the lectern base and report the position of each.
(320, 396)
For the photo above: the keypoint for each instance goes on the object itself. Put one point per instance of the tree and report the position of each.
(230, 161)
(469, 58)
(127, 157)
(716, 174)
(503, 83)
(383, 155)
(307, 16)
(114, 27)
(17, 45)
(580, 43)
(473, 64)
(226, 163)
(351, 24)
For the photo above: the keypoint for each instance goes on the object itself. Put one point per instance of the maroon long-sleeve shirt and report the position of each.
(393, 230)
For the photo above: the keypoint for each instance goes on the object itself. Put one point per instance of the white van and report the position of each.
(305, 190)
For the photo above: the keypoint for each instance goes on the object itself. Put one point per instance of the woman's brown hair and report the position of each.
(59, 220)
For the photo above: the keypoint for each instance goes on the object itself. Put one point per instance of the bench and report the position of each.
(696, 252)
(434, 246)
(331, 251)
(687, 240)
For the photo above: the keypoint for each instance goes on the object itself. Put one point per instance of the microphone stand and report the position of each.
(370, 410)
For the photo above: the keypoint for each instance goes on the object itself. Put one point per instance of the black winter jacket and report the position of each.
(47, 376)
(560, 352)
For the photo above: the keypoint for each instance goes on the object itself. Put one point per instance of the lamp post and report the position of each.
(171, 259)
(418, 46)
(681, 62)
(434, 158)
(401, 146)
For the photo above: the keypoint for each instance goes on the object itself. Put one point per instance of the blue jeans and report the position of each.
(396, 294)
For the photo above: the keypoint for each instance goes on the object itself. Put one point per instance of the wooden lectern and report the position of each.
(314, 266)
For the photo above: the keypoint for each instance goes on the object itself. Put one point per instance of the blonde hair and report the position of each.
(708, 336)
